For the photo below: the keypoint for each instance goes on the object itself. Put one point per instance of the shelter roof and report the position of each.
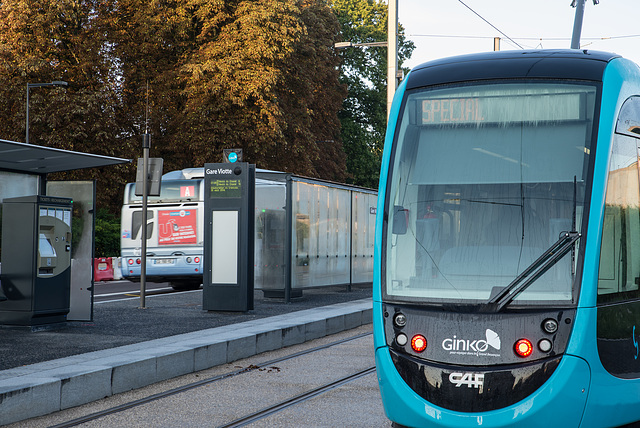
(32, 159)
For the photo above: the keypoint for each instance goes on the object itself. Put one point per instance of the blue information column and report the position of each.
(228, 236)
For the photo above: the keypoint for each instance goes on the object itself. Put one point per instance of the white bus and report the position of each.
(174, 231)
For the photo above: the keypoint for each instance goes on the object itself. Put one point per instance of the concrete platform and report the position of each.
(49, 386)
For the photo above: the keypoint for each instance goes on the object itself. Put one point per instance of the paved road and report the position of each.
(111, 291)
(355, 404)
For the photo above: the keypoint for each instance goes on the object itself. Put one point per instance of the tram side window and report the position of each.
(619, 273)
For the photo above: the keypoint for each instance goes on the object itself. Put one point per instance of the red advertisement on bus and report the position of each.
(177, 227)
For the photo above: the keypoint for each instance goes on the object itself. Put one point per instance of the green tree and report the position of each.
(364, 72)
(233, 74)
(312, 91)
(232, 80)
(60, 40)
(199, 75)
(107, 234)
(149, 41)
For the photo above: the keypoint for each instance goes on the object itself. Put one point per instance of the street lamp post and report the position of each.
(392, 51)
(38, 85)
(391, 83)
(342, 45)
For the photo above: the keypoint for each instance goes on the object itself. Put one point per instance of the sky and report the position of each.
(447, 27)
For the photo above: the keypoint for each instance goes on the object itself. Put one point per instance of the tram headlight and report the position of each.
(402, 339)
(523, 348)
(418, 343)
(545, 345)
(188, 259)
(399, 320)
(550, 326)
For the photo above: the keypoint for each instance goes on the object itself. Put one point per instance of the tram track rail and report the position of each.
(254, 416)
(298, 399)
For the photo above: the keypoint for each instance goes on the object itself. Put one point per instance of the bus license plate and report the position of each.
(164, 261)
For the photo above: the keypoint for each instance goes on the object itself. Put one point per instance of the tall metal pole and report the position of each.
(288, 236)
(392, 53)
(145, 192)
(27, 126)
(577, 25)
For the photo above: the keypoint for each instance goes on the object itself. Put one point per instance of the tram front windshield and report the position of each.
(484, 179)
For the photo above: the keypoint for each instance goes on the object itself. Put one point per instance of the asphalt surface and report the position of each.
(123, 323)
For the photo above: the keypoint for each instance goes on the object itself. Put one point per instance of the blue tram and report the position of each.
(507, 259)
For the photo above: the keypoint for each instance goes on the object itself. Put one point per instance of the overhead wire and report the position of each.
(493, 26)
(522, 38)
(540, 39)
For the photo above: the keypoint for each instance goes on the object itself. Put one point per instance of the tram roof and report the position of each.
(562, 64)
(32, 159)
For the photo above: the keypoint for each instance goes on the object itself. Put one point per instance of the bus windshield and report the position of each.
(484, 180)
(170, 191)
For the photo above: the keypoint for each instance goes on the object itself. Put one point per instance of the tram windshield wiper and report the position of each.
(545, 262)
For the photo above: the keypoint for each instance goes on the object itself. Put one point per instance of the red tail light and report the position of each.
(523, 348)
(418, 343)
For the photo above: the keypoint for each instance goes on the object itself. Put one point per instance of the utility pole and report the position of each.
(146, 144)
(496, 44)
(392, 53)
(577, 22)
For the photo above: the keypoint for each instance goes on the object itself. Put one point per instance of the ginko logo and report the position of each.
(478, 345)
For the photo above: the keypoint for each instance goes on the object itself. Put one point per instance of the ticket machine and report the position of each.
(36, 260)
